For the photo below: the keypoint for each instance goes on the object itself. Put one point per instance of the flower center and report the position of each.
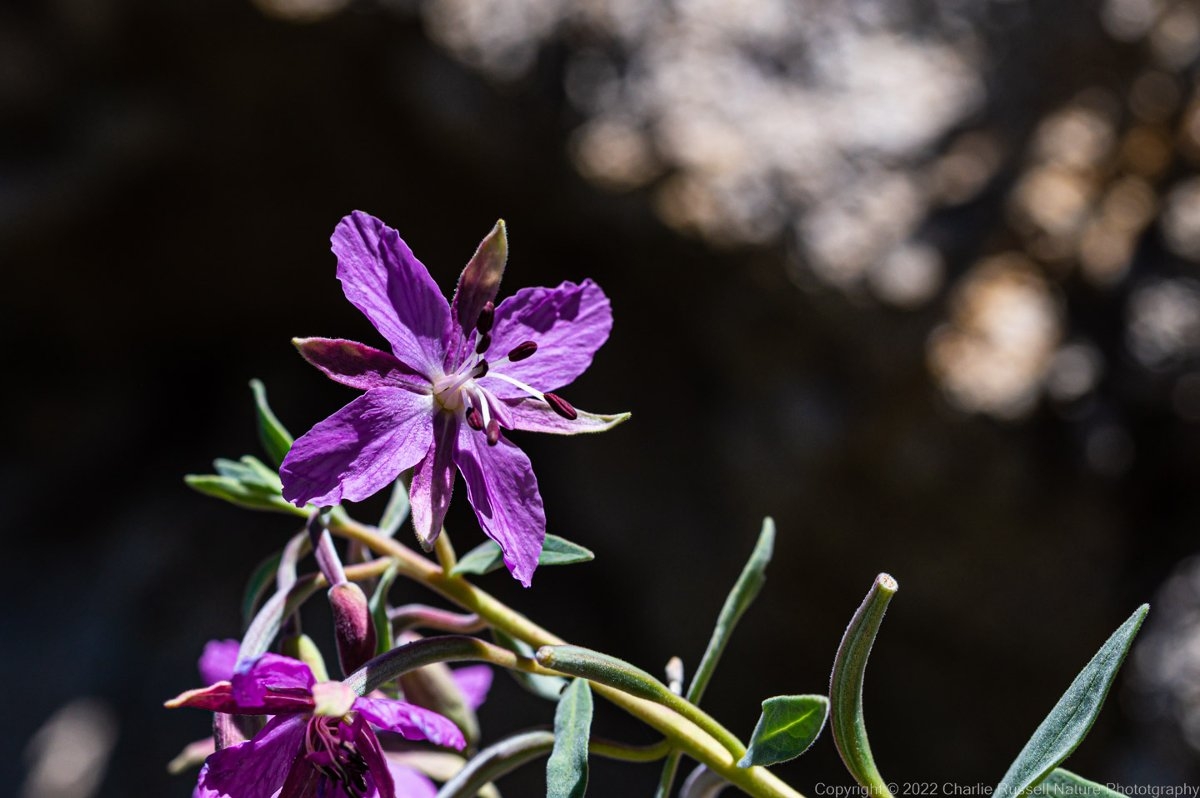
(461, 394)
(335, 756)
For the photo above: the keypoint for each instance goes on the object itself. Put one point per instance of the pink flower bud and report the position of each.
(352, 625)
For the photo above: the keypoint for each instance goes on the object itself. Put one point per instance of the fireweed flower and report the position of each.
(319, 741)
(458, 376)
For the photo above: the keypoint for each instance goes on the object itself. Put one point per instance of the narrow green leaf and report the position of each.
(496, 760)
(379, 609)
(744, 591)
(547, 687)
(1072, 717)
(567, 767)
(789, 724)
(846, 687)
(275, 438)
(258, 585)
(740, 597)
(237, 492)
(262, 475)
(396, 510)
(1065, 784)
(487, 557)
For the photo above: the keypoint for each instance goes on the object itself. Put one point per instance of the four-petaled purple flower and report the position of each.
(319, 742)
(460, 373)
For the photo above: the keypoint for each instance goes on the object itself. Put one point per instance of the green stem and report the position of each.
(679, 731)
(444, 550)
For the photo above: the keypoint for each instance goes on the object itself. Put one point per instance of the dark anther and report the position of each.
(480, 370)
(485, 341)
(522, 351)
(486, 317)
(474, 419)
(493, 432)
(561, 406)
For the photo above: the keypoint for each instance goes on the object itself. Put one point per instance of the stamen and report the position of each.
(481, 405)
(493, 432)
(561, 406)
(486, 317)
(522, 351)
(485, 341)
(480, 369)
(474, 420)
(511, 381)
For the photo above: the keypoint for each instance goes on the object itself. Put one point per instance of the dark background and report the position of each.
(169, 177)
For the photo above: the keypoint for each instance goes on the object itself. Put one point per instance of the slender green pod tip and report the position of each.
(846, 687)
(604, 669)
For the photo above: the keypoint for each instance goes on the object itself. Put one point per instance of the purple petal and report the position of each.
(217, 661)
(568, 323)
(534, 415)
(272, 674)
(382, 278)
(360, 449)
(377, 765)
(477, 285)
(410, 783)
(358, 365)
(473, 681)
(433, 481)
(255, 768)
(504, 492)
(410, 721)
(302, 780)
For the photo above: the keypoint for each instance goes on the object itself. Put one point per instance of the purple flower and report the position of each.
(459, 374)
(319, 741)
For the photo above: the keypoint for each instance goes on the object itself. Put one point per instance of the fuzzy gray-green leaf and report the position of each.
(396, 511)
(567, 767)
(275, 438)
(1065, 784)
(379, 609)
(789, 724)
(1072, 717)
(487, 557)
(243, 494)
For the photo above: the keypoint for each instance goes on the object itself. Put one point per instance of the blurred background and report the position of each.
(918, 278)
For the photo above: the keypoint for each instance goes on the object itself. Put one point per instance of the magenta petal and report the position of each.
(410, 721)
(382, 278)
(358, 365)
(473, 681)
(410, 783)
(504, 493)
(360, 449)
(217, 661)
(255, 768)
(433, 481)
(372, 754)
(568, 323)
(271, 674)
(534, 415)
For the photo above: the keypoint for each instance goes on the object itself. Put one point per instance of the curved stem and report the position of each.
(680, 732)
(444, 550)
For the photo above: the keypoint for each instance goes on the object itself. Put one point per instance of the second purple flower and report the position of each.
(460, 373)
